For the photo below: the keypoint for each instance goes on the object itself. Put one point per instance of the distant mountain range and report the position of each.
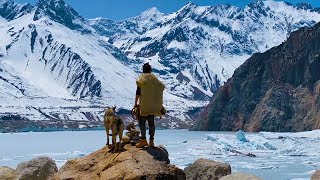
(57, 65)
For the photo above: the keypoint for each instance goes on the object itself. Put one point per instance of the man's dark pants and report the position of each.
(142, 125)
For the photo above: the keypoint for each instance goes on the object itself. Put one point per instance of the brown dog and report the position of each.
(115, 123)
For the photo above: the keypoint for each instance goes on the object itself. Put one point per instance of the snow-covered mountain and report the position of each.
(197, 48)
(54, 64)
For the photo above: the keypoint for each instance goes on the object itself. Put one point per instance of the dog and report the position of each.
(132, 131)
(115, 123)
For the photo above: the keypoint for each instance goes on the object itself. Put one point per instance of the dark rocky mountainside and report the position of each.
(273, 91)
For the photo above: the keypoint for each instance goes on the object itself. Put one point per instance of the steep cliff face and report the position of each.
(278, 90)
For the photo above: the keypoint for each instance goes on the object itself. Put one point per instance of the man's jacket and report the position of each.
(151, 98)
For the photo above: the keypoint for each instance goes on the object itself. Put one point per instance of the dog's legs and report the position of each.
(120, 136)
(107, 131)
(120, 142)
(114, 142)
(121, 132)
(114, 139)
(107, 126)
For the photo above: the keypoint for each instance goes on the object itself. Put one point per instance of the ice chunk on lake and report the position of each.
(241, 136)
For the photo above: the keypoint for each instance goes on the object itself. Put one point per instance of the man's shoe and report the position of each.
(142, 143)
(151, 143)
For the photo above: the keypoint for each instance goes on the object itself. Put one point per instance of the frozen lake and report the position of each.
(278, 155)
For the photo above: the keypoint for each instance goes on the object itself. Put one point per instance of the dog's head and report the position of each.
(111, 110)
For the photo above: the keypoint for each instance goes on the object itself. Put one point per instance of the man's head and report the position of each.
(146, 68)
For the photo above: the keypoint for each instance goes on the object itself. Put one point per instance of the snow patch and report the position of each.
(176, 44)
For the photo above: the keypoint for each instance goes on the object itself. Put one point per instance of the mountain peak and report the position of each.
(50, 1)
(186, 10)
(11, 10)
(54, 8)
(189, 6)
(151, 12)
(55, 2)
(256, 4)
(60, 12)
(304, 6)
(5, 1)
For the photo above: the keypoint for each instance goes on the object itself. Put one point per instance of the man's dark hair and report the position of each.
(146, 68)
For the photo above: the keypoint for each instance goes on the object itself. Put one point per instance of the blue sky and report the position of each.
(122, 9)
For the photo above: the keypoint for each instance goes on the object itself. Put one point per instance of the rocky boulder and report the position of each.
(40, 168)
(7, 173)
(207, 169)
(240, 176)
(316, 175)
(131, 163)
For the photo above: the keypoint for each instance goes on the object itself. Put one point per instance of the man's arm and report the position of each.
(136, 100)
(138, 93)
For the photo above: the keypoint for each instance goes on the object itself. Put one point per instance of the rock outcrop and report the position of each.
(240, 176)
(7, 173)
(131, 163)
(316, 175)
(207, 169)
(40, 168)
(278, 90)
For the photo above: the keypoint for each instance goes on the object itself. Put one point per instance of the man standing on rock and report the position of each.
(150, 96)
